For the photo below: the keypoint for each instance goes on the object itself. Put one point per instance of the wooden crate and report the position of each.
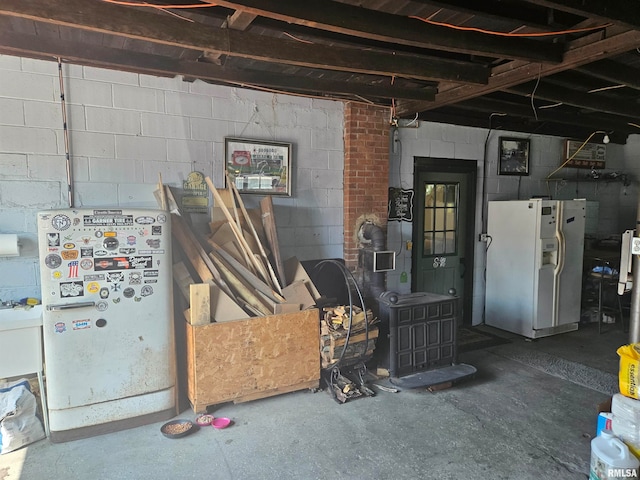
(254, 358)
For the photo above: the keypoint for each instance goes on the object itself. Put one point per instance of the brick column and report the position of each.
(366, 172)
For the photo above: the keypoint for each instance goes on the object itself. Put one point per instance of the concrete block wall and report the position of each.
(446, 141)
(125, 129)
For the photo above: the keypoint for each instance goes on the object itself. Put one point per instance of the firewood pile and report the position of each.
(235, 270)
(352, 327)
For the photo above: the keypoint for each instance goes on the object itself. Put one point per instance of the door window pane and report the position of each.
(440, 232)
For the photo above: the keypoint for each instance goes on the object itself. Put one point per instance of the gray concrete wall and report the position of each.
(125, 129)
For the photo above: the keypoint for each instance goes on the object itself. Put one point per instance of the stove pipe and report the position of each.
(375, 235)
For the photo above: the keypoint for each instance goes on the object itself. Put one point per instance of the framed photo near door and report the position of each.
(514, 156)
(258, 166)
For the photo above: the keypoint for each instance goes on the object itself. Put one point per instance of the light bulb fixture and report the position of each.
(606, 138)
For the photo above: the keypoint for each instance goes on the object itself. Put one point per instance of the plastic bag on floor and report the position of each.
(19, 425)
(629, 373)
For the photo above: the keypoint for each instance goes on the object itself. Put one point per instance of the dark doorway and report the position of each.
(443, 229)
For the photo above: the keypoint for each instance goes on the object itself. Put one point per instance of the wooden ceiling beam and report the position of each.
(517, 72)
(385, 27)
(94, 55)
(112, 19)
(595, 122)
(622, 12)
(541, 18)
(460, 116)
(613, 72)
(571, 97)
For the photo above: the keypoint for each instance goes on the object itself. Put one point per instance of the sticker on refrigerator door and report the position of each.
(73, 269)
(146, 291)
(98, 277)
(156, 230)
(104, 292)
(69, 254)
(150, 273)
(86, 252)
(102, 306)
(81, 324)
(115, 277)
(59, 327)
(572, 219)
(135, 278)
(86, 263)
(53, 239)
(71, 289)
(145, 220)
(53, 260)
(153, 242)
(128, 292)
(162, 218)
(93, 287)
(131, 240)
(141, 262)
(126, 251)
(61, 222)
(56, 275)
(69, 246)
(116, 263)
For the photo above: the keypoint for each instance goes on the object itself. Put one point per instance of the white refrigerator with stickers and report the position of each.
(106, 277)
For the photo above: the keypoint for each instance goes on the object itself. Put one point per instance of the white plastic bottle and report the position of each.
(611, 458)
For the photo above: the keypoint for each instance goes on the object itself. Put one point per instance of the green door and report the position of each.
(442, 247)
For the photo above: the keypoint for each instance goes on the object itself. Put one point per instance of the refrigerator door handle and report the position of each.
(69, 306)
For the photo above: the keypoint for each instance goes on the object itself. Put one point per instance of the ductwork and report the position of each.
(374, 234)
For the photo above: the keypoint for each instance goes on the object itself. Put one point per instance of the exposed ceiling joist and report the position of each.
(502, 11)
(612, 72)
(578, 99)
(28, 45)
(384, 27)
(166, 30)
(517, 72)
(551, 115)
(622, 12)
(374, 51)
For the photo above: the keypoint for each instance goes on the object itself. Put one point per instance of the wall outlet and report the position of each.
(483, 237)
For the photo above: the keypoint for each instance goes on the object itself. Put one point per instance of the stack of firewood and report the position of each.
(342, 326)
(237, 261)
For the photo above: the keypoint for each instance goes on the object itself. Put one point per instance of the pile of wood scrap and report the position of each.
(342, 326)
(234, 270)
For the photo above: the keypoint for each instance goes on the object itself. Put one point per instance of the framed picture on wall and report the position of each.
(258, 166)
(514, 156)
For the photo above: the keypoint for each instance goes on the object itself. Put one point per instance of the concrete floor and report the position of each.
(529, 413)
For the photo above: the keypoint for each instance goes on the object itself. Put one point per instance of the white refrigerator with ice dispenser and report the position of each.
(106, 277)
(534, 265)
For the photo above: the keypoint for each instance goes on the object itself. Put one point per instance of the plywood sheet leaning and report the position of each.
(248, 359)
(274, 278)
(269, 225)
(298, 293)
(243, 272)
(199, 304)
(223, 307)
(182, 278)
(244, 293)
(260, 269)
(294, 271)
